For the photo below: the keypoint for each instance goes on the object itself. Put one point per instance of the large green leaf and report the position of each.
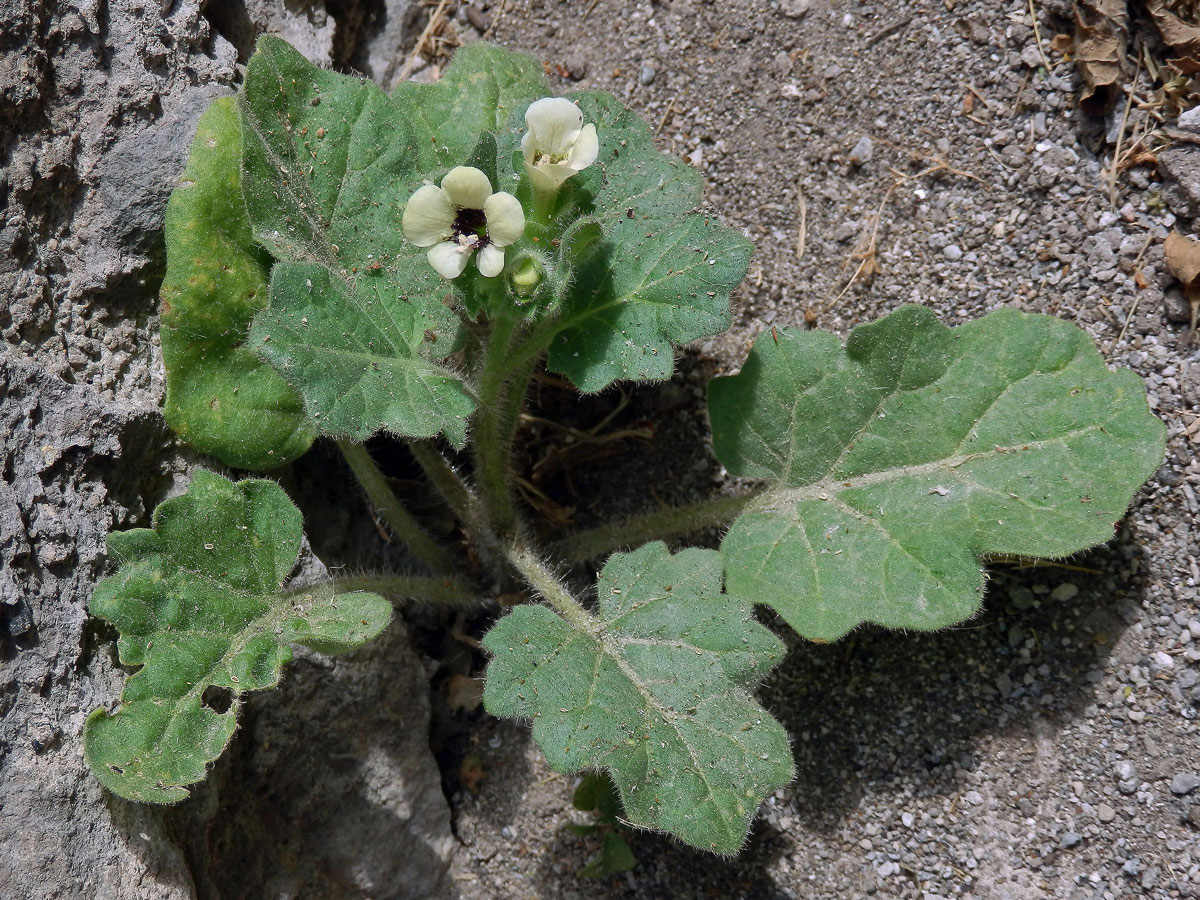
(482, 90)
(657, 693)
(898, 463)
(326, 162)
(197, 604)
(658, 275)
(220, 397)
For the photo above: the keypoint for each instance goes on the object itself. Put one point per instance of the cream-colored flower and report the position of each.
(557, 144)
(460, 217)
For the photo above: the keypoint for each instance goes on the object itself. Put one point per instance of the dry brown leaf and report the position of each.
(464, 694)
(1183, 261)
(1062, 43)
(1101, 31)
(1181, 36)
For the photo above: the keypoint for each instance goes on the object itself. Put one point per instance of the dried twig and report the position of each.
(1037, 37)
(887, 32)
(497, 15)
(666, 115)
(1138, 296)
(431, 27)
(1115, 169)
(802, 236)
(864, 251)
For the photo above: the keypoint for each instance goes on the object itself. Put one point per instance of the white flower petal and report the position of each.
(428, 216)
(448, 258)
(505, 218)
(585, 149)
(490, 261)
(549, 176)
(466, 187)
(554, 123)
(528, 147)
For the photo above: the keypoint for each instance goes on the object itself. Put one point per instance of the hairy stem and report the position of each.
(546, 583)
(398, 519)
(494, 429)
(526, 353)
(658, 525)
(445, 479)
(443, 591)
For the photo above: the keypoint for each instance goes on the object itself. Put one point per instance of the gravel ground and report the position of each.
(1047, 748)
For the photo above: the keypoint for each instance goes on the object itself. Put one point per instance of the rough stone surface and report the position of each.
(331, 790)
(388, 33)
(305, 24)
(1180, 168)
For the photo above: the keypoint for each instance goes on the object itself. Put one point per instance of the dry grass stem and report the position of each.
(1037, 37)
(802, 235)
(1115, 168)
(865, 250)
(1137, 265)
(424, 42)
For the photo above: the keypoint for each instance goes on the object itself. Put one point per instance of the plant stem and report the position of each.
(399, 520)
(443, 591)
(495, 427)
(445, 479)
(546, 583)
(526, 354)
(636, 530)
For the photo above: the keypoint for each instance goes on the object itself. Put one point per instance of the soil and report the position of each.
(877, 155)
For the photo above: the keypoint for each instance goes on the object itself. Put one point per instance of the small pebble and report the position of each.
(1064, 592)
(1021, 598)
(576, 67)
(1190, 120)
(952, 252)
(862, 152)
(1070, 839)
(1161, 661)
(647, 74)
(795, 9)
(1132, 867)
(478, 19)
(1124, 770)
(1184, 783)
(1105, 813)
(1031, 57)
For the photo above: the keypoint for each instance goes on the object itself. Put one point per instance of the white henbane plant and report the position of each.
(320, 283)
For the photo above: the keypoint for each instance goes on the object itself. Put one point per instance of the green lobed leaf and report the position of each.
(597, 793)
(220, 397)
(481, 91)
(897, 463)
(658, 694)
(326, 163)
(659, 275)
(197, 604)
(614, 857)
